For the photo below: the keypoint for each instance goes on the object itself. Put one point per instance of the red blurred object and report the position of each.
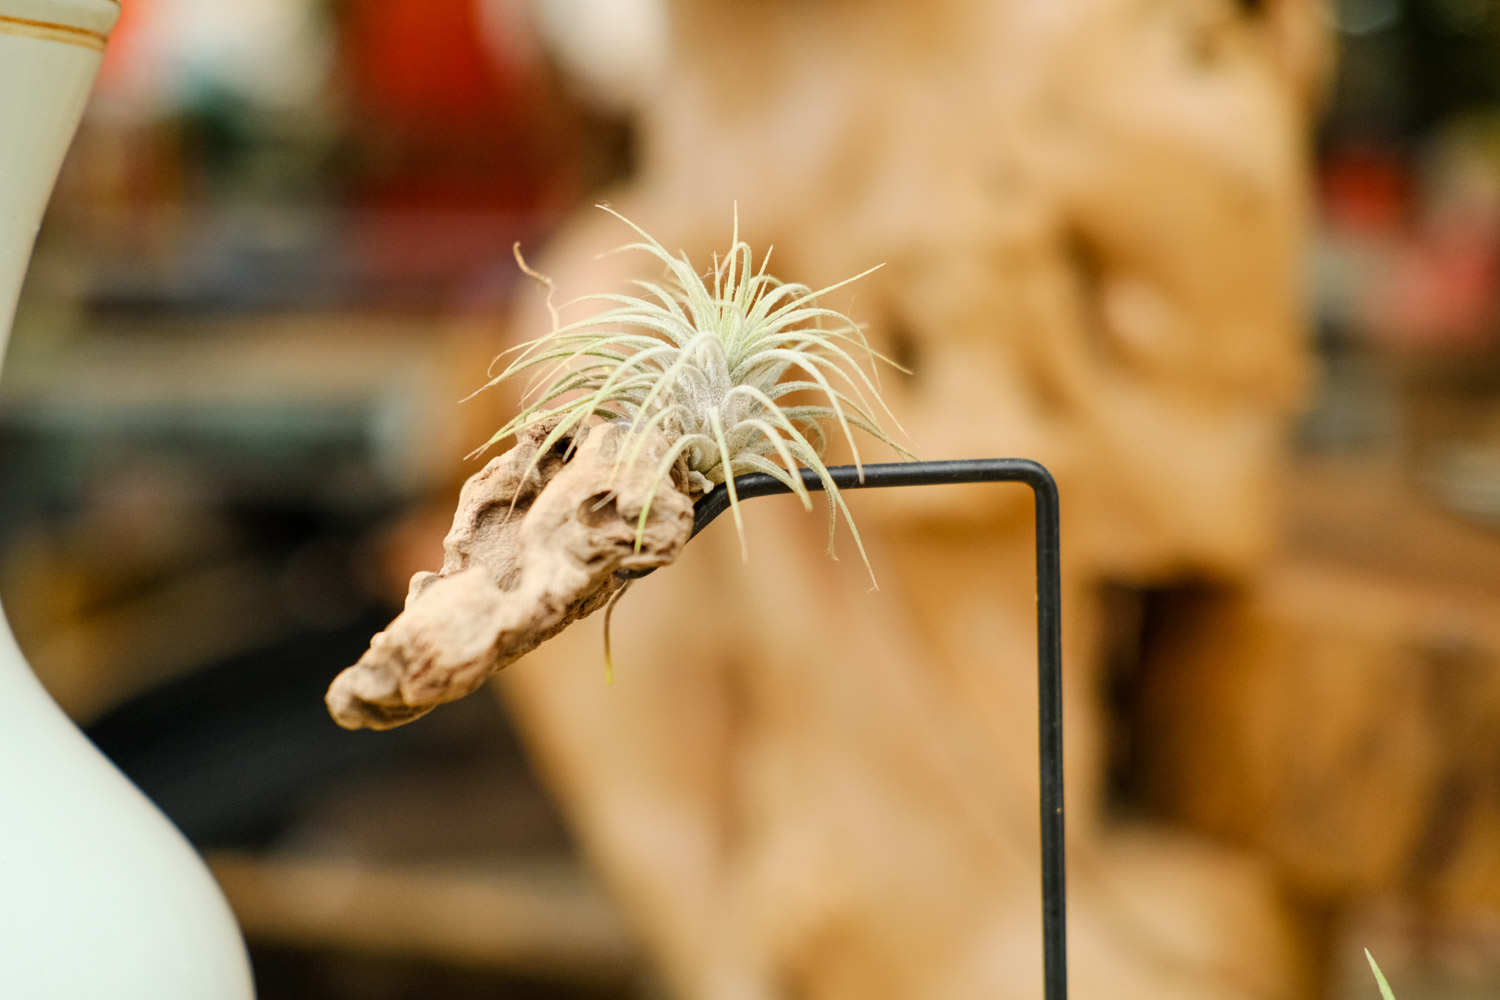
(423, 64)
(121, 50)
(1444, 291)
(462, 143)
(442, 121)
(1366, 190)
(1427, 254)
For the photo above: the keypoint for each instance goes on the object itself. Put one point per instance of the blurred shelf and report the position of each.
(542, 918)
(1366, 511)
(341, 405)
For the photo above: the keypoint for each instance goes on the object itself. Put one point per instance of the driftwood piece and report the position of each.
(535, 545)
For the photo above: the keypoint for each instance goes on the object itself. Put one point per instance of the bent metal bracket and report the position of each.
(1048, 642)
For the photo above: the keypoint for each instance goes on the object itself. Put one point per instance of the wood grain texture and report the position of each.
(1088, 213)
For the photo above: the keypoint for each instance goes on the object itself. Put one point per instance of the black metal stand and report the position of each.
(1048, 643)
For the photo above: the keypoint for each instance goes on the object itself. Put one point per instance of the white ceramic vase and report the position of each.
(100, 897)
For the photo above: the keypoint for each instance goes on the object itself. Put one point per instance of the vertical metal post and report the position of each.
(1050, 734)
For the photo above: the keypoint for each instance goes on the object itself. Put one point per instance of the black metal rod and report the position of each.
(1048, 643)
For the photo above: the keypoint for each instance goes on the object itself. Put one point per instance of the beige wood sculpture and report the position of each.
(1091, 216)
(1341, 714)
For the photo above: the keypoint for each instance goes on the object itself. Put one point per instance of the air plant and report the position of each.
(666, 395)
(714, 363)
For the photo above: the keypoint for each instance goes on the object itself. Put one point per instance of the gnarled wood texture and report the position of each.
(1092, 215)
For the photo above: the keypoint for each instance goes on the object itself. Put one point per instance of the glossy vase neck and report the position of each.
(100, 897)
(49, 53)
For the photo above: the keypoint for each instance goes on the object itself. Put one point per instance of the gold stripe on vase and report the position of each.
(50, 32)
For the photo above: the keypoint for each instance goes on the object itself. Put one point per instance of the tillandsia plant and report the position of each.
(711, 363)
(629, 415)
